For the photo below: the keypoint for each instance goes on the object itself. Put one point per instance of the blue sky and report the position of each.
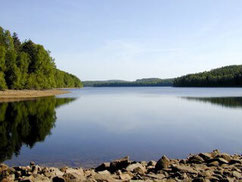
(130, 39)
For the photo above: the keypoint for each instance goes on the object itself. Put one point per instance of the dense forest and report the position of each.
(146, 82)
(228, 76)
(26, 65)
(26, 122)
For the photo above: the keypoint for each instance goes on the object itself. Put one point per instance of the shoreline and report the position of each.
(19, 95)
(213, 166)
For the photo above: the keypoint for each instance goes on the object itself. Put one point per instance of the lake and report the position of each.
(92, 125)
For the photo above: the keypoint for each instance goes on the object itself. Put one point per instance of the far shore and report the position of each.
(17, 95)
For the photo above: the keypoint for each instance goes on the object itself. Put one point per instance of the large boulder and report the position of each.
(136, 167)
(195, 159)
(164, 162)
(103, 166)
(119, 164)
(72, 175)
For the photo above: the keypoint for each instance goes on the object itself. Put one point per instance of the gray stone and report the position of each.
(58, 179)
(32, 163)
(237, 174)
(195, 159)
(103, 178)
(162, 163)
(104, 172)
(151, 163)
(183, 169)
(206, 156)
(103, 166)
(125, 177)
(136, 166)
(119, 164)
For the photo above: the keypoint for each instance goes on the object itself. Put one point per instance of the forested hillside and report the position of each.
(146, 82)
(228, 76)
(26, 65)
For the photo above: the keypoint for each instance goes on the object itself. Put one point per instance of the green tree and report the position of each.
(29, 66)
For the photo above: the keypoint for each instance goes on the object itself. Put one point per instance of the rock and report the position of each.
(182, 161)
(213, 178)
(63, 169)
(104, 172)
(204, 167)
(222, 160)
(162, 163)
(170, 180)
(225, 156)
(119, 164)
(74, 174)
(56, 171)
(205, 156)
(156, 176)
(183, 169)
(215, 153)
(219, 176)
(58, 179)
(103, 178)
(26, 179)
(125, 177)
(144, 163)
(89, 172)
(200, 179)
(35, 169)
(72, 177)
(140, 171)
(235, 161)
(195, 159)
(213, 163)
(136, 167)
(151, 163)
(237, 174)
(40, 178)
(3, 167)
(32, 163)
(9, 178)
(207, 173)
(77, 171)
(103, 166)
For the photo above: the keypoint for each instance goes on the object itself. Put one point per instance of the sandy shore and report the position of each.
(16, 95)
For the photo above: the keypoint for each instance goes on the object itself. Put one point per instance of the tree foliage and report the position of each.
(29, 66)
(228, 76)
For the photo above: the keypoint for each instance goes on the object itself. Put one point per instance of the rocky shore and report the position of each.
(214, 166)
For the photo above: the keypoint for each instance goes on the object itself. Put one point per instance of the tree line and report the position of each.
(26, 65)
(145, 82)
(228, 76)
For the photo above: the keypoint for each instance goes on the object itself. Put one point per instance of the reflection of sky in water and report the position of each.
(144, 123)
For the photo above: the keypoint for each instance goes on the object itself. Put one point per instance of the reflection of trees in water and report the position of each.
(233, 102)
(26, 122)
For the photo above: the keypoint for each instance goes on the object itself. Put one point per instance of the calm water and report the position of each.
(92, 125)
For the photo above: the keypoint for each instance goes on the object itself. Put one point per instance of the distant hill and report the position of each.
(145, 82)
(228, 76)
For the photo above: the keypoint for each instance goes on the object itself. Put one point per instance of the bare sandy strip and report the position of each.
(17, 95)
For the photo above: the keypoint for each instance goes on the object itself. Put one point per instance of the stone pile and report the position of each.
(204, 167)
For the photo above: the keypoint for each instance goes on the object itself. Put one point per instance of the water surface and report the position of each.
(93, 125)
